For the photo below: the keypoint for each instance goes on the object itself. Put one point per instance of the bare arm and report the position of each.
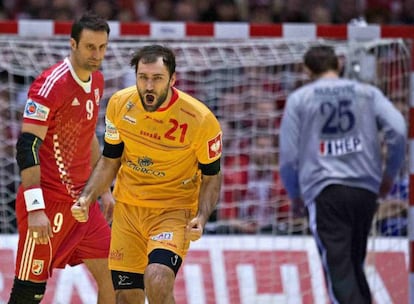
(95, 151)
(107, 200)
(38, 222)
(208, 198)
(100, 180)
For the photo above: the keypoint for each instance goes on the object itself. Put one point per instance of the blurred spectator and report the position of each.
(185, 10)
(262, 11)
(227, 11)
(346, 10)
(33, 9)
(391, 218)
(234, 110)
(407, 12)
(161, 10)
(235, 175)
(107, 9)
(294, 11)
(62, 10)
(320, 14)
(261, 200)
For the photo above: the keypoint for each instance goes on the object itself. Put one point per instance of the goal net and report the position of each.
(253, 249)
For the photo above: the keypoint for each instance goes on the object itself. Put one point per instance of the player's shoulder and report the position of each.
(189, 102)
(123, 96)
(53, 73)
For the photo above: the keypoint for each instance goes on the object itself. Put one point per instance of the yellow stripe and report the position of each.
(36, 161)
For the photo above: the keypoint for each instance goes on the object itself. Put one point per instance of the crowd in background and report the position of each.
(253, 198)
(254, 11)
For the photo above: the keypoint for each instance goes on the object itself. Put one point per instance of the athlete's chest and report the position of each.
(170, 129)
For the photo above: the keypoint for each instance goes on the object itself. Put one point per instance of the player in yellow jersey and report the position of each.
(163, 147)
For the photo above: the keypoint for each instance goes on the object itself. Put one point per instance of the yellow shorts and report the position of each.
(136, 231)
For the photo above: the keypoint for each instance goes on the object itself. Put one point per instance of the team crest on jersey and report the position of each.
(34, 110)
(97, 98)
(37, 267)
(110, 130)
(214, 146)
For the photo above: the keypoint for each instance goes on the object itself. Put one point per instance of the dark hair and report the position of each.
(320, 59)
(90, 21)
(150, 54)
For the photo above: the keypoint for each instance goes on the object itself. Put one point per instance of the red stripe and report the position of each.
(266, 30)
(400, 31)
(199, 29)
(62, 28)
(337, 31)
(9, 27)
(135, 29)
(332, 31)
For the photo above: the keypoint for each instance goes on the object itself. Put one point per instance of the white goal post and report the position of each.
(243, 72)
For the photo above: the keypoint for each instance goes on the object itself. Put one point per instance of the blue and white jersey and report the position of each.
(330, 134)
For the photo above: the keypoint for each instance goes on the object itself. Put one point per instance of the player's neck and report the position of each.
(82, 74)
(329, 75)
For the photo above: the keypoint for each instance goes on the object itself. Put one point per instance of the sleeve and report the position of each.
(209, 140)
(288, 149)
(112, 135)
(38, 110)
(392, 123)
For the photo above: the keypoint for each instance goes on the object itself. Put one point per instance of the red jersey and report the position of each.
(69, 107)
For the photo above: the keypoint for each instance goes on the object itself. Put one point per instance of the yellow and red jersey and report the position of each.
(162, 149)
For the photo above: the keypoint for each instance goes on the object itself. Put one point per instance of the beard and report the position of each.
(150, 101)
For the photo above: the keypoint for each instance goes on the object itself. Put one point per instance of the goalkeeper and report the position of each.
(331, 159)
(164, 148)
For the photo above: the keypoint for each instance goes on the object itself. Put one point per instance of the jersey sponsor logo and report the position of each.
(110, 130)
(163, 236)
(34, 110)
(341, 146)
(154, 135)
(116, 255)
(214, 146)
(37, 267)
(129, 119)
(75, 102)
(153, 119)
(143, 165)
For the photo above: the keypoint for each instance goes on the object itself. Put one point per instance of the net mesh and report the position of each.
(245, 83)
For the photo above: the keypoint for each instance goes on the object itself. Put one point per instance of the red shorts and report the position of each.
(72, 242)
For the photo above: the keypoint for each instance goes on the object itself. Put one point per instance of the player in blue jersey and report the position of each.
(331, 162)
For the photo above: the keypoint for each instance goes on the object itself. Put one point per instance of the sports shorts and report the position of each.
(136, 231)
(72, 241)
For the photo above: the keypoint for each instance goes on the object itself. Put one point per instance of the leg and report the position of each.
(26, 292)
(159, 282)
(129, 287)
(160, 275)
(332, 219)
(102, 275)
(365, 208)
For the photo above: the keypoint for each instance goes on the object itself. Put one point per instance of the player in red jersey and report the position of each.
(56, 151)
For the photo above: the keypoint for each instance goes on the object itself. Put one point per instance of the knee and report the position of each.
(159, 279)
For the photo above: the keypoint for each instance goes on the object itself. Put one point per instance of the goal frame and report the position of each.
(241, 30)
